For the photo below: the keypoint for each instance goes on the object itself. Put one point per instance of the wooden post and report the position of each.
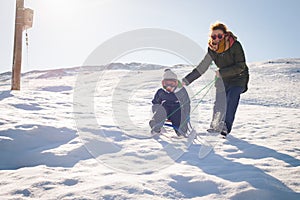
(17, 57)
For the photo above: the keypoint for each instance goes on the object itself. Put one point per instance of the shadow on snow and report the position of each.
(265, 185)
(33, 145)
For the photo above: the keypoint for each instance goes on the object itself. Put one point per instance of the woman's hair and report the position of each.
(219, 26)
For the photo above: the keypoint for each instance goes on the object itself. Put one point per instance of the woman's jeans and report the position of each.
(226, 103)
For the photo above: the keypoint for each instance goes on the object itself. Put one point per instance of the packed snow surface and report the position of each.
(82, 133)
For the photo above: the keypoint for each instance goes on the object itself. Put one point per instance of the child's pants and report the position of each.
(171, 112)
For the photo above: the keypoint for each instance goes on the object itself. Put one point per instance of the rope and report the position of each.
(209, 88)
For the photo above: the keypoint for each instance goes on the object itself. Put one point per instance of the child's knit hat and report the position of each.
(169, 75)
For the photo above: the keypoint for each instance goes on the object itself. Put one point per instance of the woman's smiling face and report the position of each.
(217, 35)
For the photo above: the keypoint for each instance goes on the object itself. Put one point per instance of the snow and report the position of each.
(82, 133)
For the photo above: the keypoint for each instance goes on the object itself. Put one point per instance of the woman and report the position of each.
(228, 55)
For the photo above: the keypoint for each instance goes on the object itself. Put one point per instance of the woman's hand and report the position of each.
(218, 74)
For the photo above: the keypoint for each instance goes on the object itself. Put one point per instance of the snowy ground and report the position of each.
(56, 145)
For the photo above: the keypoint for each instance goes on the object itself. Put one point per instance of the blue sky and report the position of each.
(65, 32)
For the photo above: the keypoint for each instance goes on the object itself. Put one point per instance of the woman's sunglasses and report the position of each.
(215, 36)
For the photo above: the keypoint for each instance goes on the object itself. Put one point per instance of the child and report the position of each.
(171, 102)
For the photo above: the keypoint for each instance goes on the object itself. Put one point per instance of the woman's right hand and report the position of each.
(218, 74)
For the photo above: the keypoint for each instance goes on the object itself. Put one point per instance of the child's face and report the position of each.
(170, 85)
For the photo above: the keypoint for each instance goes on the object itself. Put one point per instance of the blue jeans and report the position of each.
(226, 103)
(232, 99)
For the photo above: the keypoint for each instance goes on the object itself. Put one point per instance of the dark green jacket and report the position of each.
(231, 63)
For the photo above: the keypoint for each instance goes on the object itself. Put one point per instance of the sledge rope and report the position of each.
(199, 101)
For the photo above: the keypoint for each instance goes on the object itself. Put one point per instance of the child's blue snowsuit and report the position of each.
(174, 106)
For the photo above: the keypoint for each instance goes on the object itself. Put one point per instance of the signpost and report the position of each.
(23, 21)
